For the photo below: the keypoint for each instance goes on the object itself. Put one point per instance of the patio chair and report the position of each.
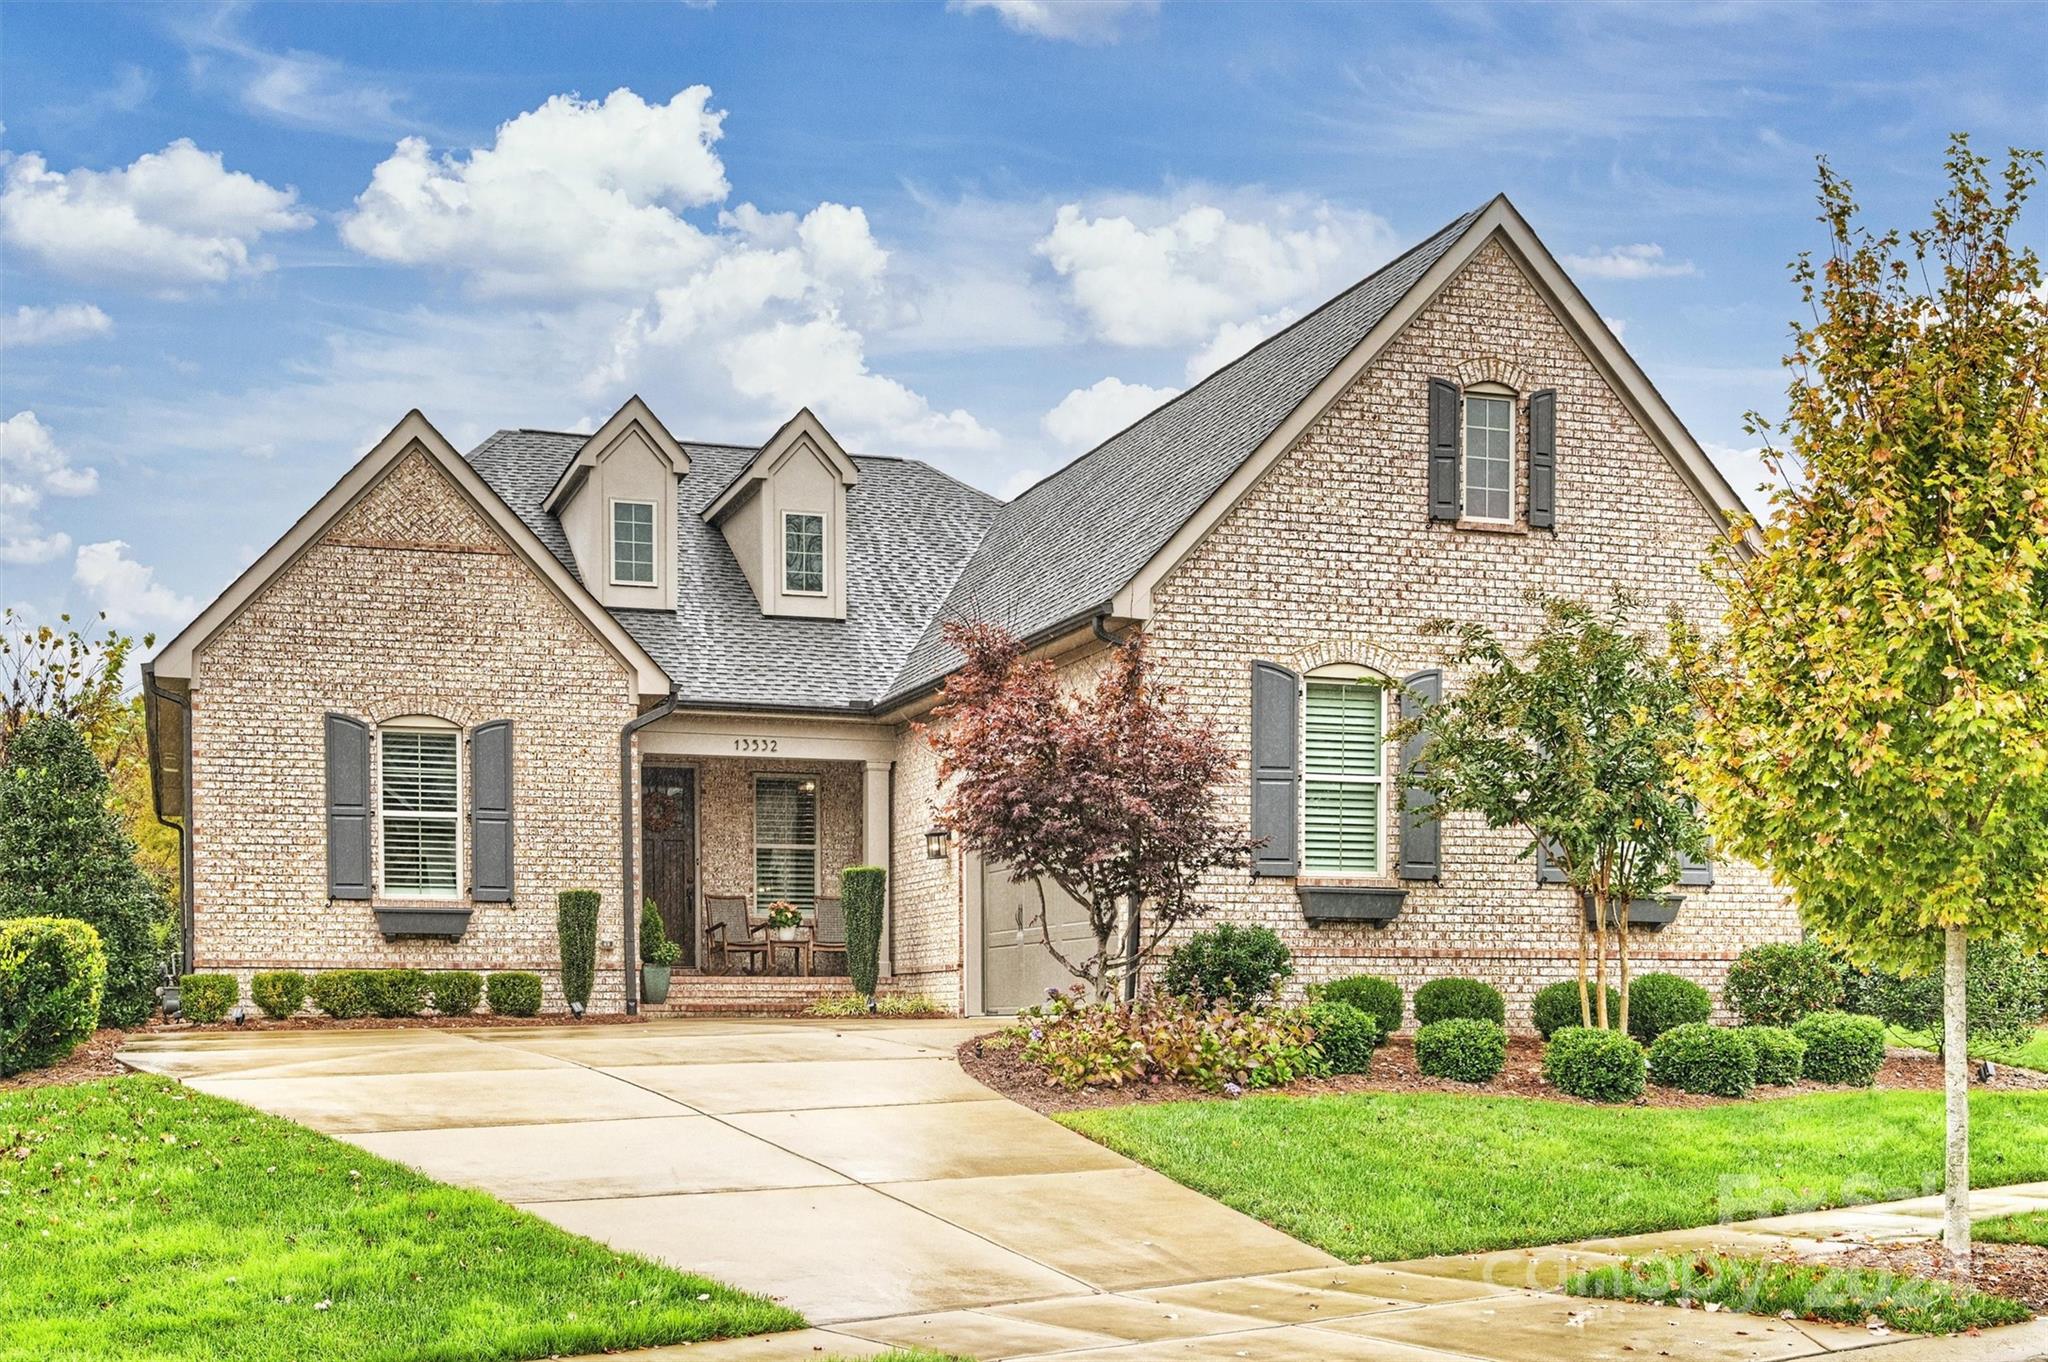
(828, 949)
(726, 934)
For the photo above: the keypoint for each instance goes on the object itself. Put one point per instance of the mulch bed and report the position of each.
(1394, 1070)
(94, 1058)
(2016, 1271)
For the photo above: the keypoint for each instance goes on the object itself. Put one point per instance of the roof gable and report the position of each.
(634, 414)
(800, 432)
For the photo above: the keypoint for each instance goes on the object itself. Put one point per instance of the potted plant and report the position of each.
(784, 920)
(658, 954)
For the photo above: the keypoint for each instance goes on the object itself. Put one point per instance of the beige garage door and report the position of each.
(1016, 968)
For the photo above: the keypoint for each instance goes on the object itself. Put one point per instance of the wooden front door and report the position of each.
(668, 837)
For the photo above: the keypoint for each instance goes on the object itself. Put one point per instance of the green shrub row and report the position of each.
(1719, 1061)
(53, 972)
(1459, 999)
(1345, 1035)
(1378, 998)
(1468, 1049)
(513, 993)
(1659, 1002)
(1558, 1006)
(1780, 1055)
(349, 993)
(279, 993)
(1841, 1047)
(207, 997)
(1598, 1065)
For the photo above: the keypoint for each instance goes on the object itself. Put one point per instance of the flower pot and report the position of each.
(785, 933)
(654, 983)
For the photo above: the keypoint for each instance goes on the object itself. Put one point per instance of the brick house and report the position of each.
(623, 661)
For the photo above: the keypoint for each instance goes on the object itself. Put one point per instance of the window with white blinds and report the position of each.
(419, 809)
(785, 841)
(1343, 784)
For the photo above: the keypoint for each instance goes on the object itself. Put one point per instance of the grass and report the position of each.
(1398, 1175)
(2031, 1054)
(1836, 1294)
(2028, 1228)
(141, 1219)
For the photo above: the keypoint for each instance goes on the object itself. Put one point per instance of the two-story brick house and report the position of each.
(625, 661)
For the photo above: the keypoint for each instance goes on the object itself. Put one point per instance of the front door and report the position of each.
(668, 836)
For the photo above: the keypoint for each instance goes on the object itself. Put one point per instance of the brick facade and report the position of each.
(725, 821)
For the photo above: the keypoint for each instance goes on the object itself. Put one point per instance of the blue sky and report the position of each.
(238, 243)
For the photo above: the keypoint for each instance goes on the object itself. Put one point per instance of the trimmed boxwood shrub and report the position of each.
(1777, 984)
(1459, 999)
(455, 991)
(1465, 1048)
(1557, 1006)
(278, 992)
(1780, 1055)
(1658, 1002)
(397, 992)
(53, 972)
(1381, 999)
(1598, 1065)
(1345, 1035)
(342, 993)
(576, 932)
(207, 997)
(1841, 1047)
(1227, 962)
(861, 896)
(513, 993)
(1716, 1060)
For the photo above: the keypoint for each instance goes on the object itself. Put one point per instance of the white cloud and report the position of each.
(1747, 473)
(1086, 417)
(1644, 260)
(301, 89)
(1074, 21)
(1150, 273)
(173, 219)
(1233, 339)
(33, 466)
(1617, 326)
(819, 363)
(59, 325)
(125, 590)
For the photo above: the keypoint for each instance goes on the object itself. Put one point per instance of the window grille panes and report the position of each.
(1489, 457)
(803, 553)
(419, 803)
(785, 841)
(1343, 778)
(632, 542)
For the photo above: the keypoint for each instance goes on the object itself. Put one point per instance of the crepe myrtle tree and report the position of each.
(1873, 717)
(1575, 741)
(1108, 791)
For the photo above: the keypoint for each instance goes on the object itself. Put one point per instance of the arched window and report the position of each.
(1489, 480)
(419, 806)
(1344, 771)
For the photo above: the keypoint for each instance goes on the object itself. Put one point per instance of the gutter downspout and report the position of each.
(154, 692)
(1132, 927)
(629, 911)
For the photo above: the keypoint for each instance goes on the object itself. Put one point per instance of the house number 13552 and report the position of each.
(753, 744)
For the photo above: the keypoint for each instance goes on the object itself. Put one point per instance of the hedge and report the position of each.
(1381, 999)
(342, 993)
(1841, 1047)
(1459, 999)
(207, 997)
(860, 897)
(513, 993)
(53, 973)
(278, 992)
(1780, 1055)
(1598, 1065)
(397, 992)
(455, 991)
(1696, 1057)
(1464, 1048)
(576, 931)
(1557, 1006)
(1658, 1002)
(1345, 1035)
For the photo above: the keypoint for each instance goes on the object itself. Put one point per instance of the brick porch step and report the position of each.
(776, 995)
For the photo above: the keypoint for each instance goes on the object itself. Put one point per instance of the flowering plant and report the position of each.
(782, 916)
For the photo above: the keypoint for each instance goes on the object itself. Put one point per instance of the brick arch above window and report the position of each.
(1358, 651)
(383, 709)
(1499, 369)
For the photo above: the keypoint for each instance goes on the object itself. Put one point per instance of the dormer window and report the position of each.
(633, 543)
(1489, 454)
(803, 553)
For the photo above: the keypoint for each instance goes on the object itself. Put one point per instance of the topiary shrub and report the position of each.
(455, 991)
(207, 997)
(53, 972)
(1557, 1006)
(1658, 1002)
(1718, 1061)
(1465, 1048)
(1841, 1047)
(861, 893)
(1345, 1035)
(1459, 999)
(278, 992)
(1241, 964)
(1780, 1055)
(342, 993)
(1596, 1064)
(513, 993)
(1381, 999)
(396, 992)
(576, 933)
(653, 935)
(1776, 985)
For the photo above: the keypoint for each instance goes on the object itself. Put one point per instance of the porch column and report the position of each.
(874, 831)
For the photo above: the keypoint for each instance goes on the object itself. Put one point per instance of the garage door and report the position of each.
(1016, 968)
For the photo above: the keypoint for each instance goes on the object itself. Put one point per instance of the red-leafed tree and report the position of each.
(1108, 792)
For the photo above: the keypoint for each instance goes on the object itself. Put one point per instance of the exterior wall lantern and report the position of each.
(935, 838)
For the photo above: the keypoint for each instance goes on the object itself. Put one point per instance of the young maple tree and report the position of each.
(1108, 792)
(1875, 717)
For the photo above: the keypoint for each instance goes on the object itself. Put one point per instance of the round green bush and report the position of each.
(342, 993)
(1378, 998)
(1464, 1048)
(1777, 984)
(1718, 1061)
(1658, 1002)
(1780, 1055)
(278, 992)
(397, 992)
(1841, 1047)
(1345, 1035)
(455, 991)
(1557, 1006)
(207, 997)
(1459, 999)
(53, 972)
(1241, 964)
(513, 993)
(1598, 1065)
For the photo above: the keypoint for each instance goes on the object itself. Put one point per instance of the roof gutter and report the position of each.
(154, 693)
(1092, 616)
(629, 910)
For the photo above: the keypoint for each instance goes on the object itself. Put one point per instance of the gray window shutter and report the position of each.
(1443, 449)
(1548, 871)
(1276, 766)
(1695, 872)
(1543, 460)
(490, 812)
(348, 808)
(1421, 835)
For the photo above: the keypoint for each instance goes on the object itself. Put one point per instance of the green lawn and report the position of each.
(2033, 1054)
(1804, 1290)
(1389, 1176)
(140, 1219)
(2030, 1228)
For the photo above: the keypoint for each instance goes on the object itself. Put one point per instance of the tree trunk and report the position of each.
(1600, 956)
(1621, 947)
(1585, 996)
(1955, 1070)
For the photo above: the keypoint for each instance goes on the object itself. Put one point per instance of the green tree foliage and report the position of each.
(2002, 991)
(63, 854)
